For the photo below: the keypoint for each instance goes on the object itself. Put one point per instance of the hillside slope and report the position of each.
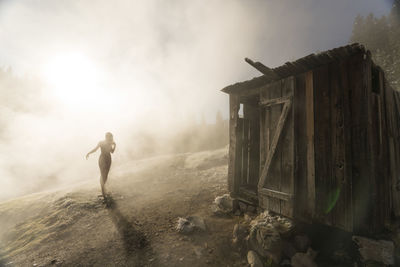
(73, 227)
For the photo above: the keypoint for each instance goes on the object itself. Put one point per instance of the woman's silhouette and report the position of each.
(107, 146)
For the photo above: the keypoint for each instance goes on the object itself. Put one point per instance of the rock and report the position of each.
(253, 259)
(286, 263)
(380, 251)
(301, 242)
(198, 251)
(237, 213)
(242, 207)
(190, 224)
(266, 241)
(341, 256)
(247, 218)
(239, 234)
(222, 205)
(304, 259)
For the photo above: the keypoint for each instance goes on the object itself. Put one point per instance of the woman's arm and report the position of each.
(113, 146)
(93, 150)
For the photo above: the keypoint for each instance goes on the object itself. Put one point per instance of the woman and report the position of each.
(107, 146)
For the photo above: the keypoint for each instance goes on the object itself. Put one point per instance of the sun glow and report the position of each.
(74, 79)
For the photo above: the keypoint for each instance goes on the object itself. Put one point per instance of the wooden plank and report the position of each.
(287, 144)
(375, 220)
(385, 158)
(309, 99)
(322, 146)
(239, 154)
(245, 151)
(269, 73)
(263, 136)
(254, 153)
(337, 196)
(360, 170)
(347, 184)
(300, 128)
(285, 197)
(276, 101)
(233, 117)
(275, 172)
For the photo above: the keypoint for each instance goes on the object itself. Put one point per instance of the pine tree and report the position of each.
(382, 37)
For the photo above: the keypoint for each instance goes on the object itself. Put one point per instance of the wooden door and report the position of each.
(276, 184)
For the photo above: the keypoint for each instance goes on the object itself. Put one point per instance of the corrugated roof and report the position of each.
(299, 66)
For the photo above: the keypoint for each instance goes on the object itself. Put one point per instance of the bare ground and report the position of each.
(136, 227)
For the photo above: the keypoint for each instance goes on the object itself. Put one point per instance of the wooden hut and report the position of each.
(317, 140)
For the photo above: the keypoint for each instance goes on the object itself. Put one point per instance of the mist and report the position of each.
(82, 68)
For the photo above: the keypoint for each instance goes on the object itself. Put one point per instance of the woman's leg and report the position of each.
(103, 191)
(104, 164)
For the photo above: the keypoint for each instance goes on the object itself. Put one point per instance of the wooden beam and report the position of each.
(269, 73)
(310, 142)
(233, 122)
(276, 194)
(275, 101)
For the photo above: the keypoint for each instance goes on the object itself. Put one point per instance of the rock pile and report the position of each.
(271, 240)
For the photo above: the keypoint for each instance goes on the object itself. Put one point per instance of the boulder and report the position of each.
(190, 224)
(222, 205)
(253, 259)
(380, 251)
(240, 233)
(266, 241)
(304, 259)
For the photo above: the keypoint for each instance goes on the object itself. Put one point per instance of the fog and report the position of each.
(82, 68)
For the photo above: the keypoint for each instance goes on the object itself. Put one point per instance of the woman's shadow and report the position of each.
(132, 238)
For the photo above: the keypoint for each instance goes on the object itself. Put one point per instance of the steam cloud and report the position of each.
(159, 66)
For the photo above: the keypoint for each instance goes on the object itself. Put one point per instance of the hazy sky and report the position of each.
(188, 49)
(124, 66)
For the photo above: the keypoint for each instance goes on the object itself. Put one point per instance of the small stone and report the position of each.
(253, 259)
(304, 259)
(247, 218)
(243, 207)
(237, 213)
(285, 263)
(239, 234)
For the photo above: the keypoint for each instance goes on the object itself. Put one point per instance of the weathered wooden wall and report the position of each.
(338, 153)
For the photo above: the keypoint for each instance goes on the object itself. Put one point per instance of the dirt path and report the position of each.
(136, 228)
